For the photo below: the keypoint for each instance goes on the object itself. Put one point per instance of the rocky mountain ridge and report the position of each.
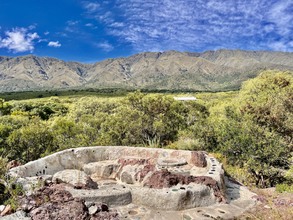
(170, 70)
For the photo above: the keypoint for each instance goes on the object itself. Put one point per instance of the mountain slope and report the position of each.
(210, 70)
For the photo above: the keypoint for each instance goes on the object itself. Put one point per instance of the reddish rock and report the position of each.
(132, 161)
(105, 216)
(198, 159)
(165, 179)
(12, 164)
(55, 203)
(74, 210)
(145, 170)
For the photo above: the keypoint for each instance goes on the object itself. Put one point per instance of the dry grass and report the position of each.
(272, 205)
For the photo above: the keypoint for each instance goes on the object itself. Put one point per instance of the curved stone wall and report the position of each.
(158, 178)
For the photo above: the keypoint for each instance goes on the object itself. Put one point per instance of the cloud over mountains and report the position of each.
(204, 24)
(91, 30)
(19, 40)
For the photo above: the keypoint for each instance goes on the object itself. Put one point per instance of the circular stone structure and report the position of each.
(152, 179)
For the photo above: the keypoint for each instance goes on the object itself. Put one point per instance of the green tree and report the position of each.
(255, 131)
(30, 142)
(143, 119)
(268, 99)
(67, 133)
(5, 107)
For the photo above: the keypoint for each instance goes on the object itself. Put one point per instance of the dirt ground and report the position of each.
(271, 205)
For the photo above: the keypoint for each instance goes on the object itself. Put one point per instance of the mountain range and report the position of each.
(170, 70)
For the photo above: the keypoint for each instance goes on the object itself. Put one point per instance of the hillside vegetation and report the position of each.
(220, 70)
(250, 130)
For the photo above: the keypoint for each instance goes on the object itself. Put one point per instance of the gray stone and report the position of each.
(93, 209)
(74, 177)
(111, 195)
(126, 178)
(89, 204)
(19, 215)
(29, 184)
(2, 207)
(102, 169)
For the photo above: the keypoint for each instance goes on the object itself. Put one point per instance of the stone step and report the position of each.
(112, 195)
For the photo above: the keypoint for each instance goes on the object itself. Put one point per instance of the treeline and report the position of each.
(106, 92)
(252, 133)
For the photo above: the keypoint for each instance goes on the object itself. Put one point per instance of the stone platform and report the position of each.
(143, 183)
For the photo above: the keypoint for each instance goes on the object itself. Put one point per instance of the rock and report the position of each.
(102, 207)
(171, 162)
(93, 209)
(114, 195)
(12, 164)
(126, 177)
(55, 202)
(267, 207)
(2, 207)
(19, 215)
(30, 184)
(140, 175)
(165, 179)
(53, 211)
(105, 216)
(7, 210)
(89, 204)
(77, 178)
(198, 159)
(102, 169)
(134, 170)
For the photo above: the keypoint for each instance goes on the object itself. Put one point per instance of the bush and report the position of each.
(255, 131)
(284, 188)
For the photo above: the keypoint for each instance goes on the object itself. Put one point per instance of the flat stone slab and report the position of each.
(232, 210)
(112, 195)
(170, 162)
(175, 198)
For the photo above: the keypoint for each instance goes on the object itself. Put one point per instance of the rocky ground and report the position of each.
(53, 202)
(271, 205)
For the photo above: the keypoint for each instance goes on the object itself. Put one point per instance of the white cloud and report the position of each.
(91, 25)
(91, 6)
(31, 27)
(282, 46)
(19, 40)
(72, 23)
(281, 16)
(54, 44)
(105, 46)
(196, 25)
(72, 26)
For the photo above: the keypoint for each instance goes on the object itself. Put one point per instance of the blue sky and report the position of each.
(89, 31)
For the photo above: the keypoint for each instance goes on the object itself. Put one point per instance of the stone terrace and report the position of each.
(142, 183)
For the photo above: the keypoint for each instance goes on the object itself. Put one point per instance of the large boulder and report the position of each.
(198, 159)
(77, 178)
(102, 169)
